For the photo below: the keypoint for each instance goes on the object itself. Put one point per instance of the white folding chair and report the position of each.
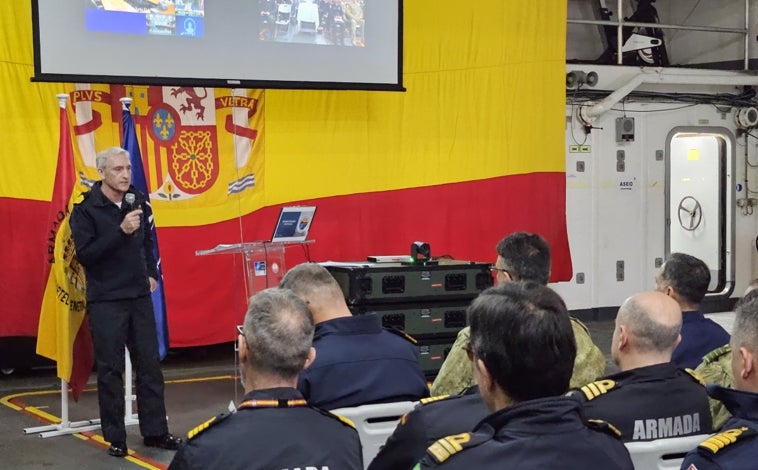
(663, 454)
(375, 423)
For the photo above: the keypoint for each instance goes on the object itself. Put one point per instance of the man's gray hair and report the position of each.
(650, 334)
(308, 278)
(103, 156)
(279, 332)
(745, 330)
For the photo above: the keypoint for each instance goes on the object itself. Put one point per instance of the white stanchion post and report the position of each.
(129, 396)
(65, 426)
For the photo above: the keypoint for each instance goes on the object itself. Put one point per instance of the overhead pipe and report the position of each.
(587, 114)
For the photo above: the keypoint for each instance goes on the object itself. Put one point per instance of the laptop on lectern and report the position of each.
(293, 224)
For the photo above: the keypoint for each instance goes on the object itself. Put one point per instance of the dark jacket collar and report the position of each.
(692, 316)
(99, 198)
(355, 325)
(640, 374)
(277, 393)
(740, 404)
(540, 416)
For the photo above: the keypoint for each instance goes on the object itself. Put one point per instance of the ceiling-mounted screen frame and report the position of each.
(369, 67)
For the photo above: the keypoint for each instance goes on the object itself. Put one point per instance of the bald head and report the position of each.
(647, 330)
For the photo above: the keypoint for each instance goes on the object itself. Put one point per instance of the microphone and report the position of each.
(129, 199)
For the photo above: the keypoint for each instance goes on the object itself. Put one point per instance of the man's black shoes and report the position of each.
(166, 441)
(118, 449)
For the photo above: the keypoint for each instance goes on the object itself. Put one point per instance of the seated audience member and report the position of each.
(432, 419)
(650, 398)
(522, 348)
(274, 427)
(716, 368)
(521, 256)
(736, 447)
(357, 361)
(685, 279)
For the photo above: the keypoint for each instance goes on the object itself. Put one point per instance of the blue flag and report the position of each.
(131, 145)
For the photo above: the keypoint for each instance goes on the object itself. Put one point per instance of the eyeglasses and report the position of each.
(469, 351)
(241, 329)
(495, 269)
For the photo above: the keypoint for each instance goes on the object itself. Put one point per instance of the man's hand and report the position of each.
(131, 221)
(153, 284)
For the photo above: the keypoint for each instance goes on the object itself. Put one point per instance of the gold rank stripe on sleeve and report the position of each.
(402, 334)
(723, 439)
(344, 420)
(201, 427)
(695, 376)
(272, 403)
(442, 449)
(595, 389)
(604, 426)
(425, 401)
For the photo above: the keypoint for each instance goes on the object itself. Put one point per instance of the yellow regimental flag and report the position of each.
(63, 334)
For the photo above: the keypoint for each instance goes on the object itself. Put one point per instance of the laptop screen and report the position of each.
(293, 224)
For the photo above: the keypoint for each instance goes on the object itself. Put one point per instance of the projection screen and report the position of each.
(306, 44)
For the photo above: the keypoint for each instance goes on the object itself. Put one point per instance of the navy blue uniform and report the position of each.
(271, 429)
(432, 419)
(535, 434)
(735, 448)
(358, 362)
(700, 336)
(649, 403)
(120, 310)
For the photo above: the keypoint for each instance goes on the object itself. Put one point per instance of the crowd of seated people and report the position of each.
(515, 402)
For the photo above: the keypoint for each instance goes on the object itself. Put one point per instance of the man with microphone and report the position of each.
(114, 244)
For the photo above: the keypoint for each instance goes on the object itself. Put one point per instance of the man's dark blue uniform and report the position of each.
(358, 362)
(700, 336)
(432, 419)
(540, 433)
(650, 402)
(735, 448)
(119, 310)
(272, 429)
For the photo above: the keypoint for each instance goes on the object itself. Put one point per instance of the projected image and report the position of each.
(324, 22)
(156, 17)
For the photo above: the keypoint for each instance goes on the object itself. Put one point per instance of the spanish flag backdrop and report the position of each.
(470, 152)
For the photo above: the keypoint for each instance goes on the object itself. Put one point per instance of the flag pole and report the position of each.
(129, 396)
(65, 426)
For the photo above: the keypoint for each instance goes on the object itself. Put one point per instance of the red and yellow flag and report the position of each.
(63, 333)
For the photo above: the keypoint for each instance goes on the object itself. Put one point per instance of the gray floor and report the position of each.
(200, 383)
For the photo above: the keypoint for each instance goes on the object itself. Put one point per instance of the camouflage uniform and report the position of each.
(455, 374)
(717, 368)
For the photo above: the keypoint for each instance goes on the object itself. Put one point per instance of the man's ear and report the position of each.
(311, 357)
(623, 342)
(241, 349)
(485, 377)
(747, 364)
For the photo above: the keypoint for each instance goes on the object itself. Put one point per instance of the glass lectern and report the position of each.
(264, 261)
